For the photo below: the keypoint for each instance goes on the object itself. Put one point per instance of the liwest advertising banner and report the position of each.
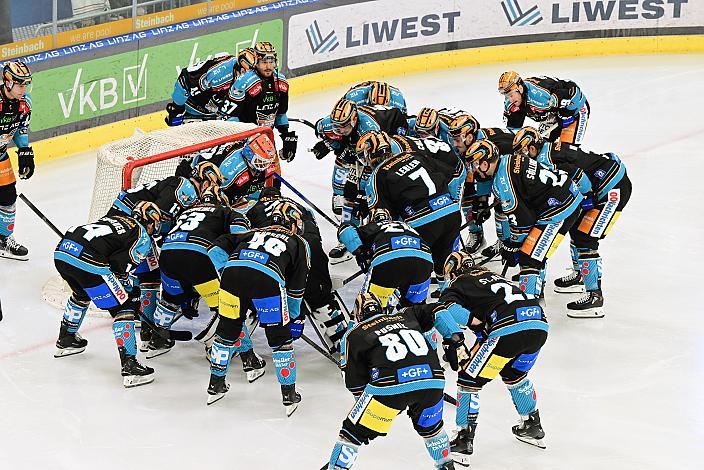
(132, 79)
(387, 25)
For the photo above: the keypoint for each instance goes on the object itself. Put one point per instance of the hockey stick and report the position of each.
(176, 335)
(40, 215)
(306, 200)
(303, 121)
(322, 351)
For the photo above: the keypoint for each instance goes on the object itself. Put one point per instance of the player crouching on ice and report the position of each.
(96, 261)
(265, 274)
(389, 368)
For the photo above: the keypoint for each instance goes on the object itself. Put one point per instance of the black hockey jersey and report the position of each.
(116, 244)
(172, 195)
(500, 306)
(414, 188)
(14, 124)
(206, 84)
(543, 99)
(388, 354)
(198, 227)
(260, 214)
(500, 137)
(429, 147)
(257, 100)
(274, 251)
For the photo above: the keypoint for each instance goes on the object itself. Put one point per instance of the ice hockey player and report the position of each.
(430, 122)
(558, 105)
(394, 256)
(541, 206)
(510, 329)
(171, 195)
(15, 112)
(319, 302)
(464, 130)
(607, 192)
(260, 96)
(245, 169)
(186, 270)
(421, 191)
(390, 367)
(201, 89)
(340, 131)
(372, 93)
(265, 274)
(97, 261)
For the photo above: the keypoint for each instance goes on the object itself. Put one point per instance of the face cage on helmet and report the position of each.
(258, 162)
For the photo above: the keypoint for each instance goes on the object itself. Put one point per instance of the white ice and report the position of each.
(622, 392)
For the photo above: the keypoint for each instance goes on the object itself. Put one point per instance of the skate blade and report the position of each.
(576, 289)
(152, 353)
(460, 459)
(346, 257)
(253, 375)
(64, 352)
(217, 397)
(130, 381)
(290, 409)
(534, 442)
(597, 312)
(14, 257)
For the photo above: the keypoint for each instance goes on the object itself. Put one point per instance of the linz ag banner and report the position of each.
(388, 25)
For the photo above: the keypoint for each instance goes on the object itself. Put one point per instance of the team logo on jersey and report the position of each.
(254, 255)
(374, 373)
(552, 202)
(401, 131)
(405, 242)
(440, 202)
(600, 174)
(411, 373)
(71, 247)
(528, 313)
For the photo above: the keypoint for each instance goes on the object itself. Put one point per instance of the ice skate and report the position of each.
(570, 284)
(590, 305)
(462, 445)
(217, 388)
(253, 365)
(10, 249)
(69, 344)
(291, 398)
(530, 431)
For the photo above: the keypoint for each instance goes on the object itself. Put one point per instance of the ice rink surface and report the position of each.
(622, 392)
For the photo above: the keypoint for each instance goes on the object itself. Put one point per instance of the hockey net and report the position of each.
(145, 157)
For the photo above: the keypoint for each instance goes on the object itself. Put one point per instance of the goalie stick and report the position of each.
(176, 335)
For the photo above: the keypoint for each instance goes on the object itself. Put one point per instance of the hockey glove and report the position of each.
(184, 168)
(480, 211)
(290, 144)
(176, 113)
(509, 253)
(321, 149)
(456, 351)
(25, 157)
(296, 327)
(587, 203)
(362, 258)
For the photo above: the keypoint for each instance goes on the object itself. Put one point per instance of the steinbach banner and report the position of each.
(386, 25)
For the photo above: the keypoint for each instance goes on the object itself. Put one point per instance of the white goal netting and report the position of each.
(143, 158)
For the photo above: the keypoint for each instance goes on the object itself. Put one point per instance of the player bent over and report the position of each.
(319, 302)
(390, 367)
(96, 261)
(607, 189)
(266, 274)
(558, 105)
(510, 329)
(541, 205)
(186, 269)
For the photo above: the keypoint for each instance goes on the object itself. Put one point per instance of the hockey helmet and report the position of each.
(380, 216)
(481, 151)
(149, 215)
(288, 216)
(246, 59)
(343, 116)
(366, 305)
(458, 263)
(265, 51)
(214, 195)
(206, 171)
(526, 137)
(380, 94)
(427, 122)
(259, 152)
(17, 72)
(509, 81)
(462, 126)
(373, 147)
(269, 193)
